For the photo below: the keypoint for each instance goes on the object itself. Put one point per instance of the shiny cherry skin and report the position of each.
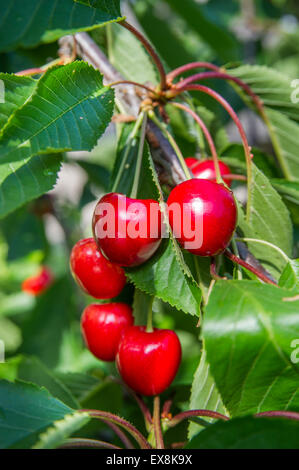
(128, 231)
(208, 216)
(148, 361)
(36, 285)
(205, 169)
(102, 327)
(96, 275)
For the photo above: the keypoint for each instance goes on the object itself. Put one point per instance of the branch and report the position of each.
(130, 99)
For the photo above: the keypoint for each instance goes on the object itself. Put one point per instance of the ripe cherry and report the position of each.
(102, 327)
(36, 285)
(96, 275)
(205, 169)
(128, 231)
(148, 361)
(202, 215)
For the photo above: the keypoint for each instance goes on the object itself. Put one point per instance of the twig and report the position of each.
(157, 424)
(257, 272)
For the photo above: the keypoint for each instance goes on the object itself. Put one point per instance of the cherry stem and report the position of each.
(279, 414)
(143, 408)
(238, 123)
(121, 435)
(135, 186)
(129, 82)
(191, 66)
(112, 418)
(172, 143)
(157, 424)
(190, 414)
(150, 50)
(149, 325)
(207, 136)
(220, 75)
(257, 272)
(76, 443)
(167, 407)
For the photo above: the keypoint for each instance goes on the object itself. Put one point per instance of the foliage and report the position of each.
(60, 150)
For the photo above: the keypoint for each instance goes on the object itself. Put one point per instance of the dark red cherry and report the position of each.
(102, 327)
(96, 275)
(36, 285)
(148, 361)
(128, 231)
(205, 169)
(203, 216)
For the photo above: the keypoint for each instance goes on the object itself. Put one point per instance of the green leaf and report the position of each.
(129, 57)
(290, 276)
(17, 91)
(61, 429)
(248, 331)
(288, 189)
(248, 433)
(163, 277)
(268, 214)
(281, 112)
(25, 411)
(27, 23)
(28, 182)
(31, 369)
(204, 394)
(69, 110)
(283, 133)
(273, 87)
(80, 385)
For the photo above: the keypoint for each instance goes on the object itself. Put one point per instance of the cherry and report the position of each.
(36, 285)
(96, 275)
(202, 215)
(128, 231)
(205, 169)
(148, 361)
(102, 326)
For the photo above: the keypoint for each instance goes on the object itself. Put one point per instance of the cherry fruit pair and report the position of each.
(147, 361)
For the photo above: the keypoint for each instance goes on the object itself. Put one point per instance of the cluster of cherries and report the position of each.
(147, 358)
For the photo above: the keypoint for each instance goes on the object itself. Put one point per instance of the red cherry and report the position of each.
(148, 361)
(205, 169)
(128, 231)
(96, 275)
(37, 284)
(203, 216)
(102, 327)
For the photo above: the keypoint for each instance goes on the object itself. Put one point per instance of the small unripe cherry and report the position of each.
(205, 169)
(102, 327)
(148, 361)
(36, 285)
(96, 275)
(202, 215)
